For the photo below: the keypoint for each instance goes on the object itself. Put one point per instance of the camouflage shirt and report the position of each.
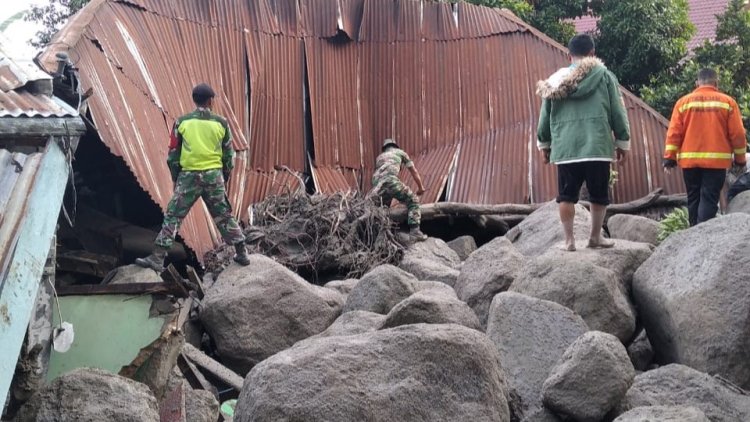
(388, 164)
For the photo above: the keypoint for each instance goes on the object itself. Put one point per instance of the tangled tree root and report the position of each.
(343, 233)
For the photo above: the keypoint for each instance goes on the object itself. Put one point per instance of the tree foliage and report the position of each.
(729, 54)
(638, 39)
(52, 16)
(549, 16)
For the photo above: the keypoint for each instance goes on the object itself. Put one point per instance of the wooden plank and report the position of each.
(119, 289)
(19, 289)
(194, 376)
(44, 126)
(215, 368)
(184, 314)
(193, 277)
(172, 277)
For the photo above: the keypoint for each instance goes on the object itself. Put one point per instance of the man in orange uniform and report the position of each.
(705, 137)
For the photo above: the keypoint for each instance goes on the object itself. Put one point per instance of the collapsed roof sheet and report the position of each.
(16, 97)
(316, 85)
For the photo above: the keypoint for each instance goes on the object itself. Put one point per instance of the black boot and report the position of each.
(155, 261)
(241, 254)
(417, 234)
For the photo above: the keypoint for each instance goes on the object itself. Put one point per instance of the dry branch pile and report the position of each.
(342, 233)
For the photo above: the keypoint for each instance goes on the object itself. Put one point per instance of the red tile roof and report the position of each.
(702, 13)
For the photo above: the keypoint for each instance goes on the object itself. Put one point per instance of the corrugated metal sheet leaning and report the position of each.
(319, 83)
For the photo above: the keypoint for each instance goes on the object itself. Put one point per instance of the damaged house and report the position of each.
(310, 89)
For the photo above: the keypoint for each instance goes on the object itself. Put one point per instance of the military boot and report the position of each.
(417, 234)
(155, 261)
(241, 255)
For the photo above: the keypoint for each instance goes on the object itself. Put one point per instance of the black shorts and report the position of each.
(570, 178)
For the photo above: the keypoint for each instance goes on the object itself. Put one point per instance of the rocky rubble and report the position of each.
(679, 385)
(255, 312)
(515, 330)
(694, 298)
(590, 379)
(488, 271)
(91, 395)
(433, 260)
(634, 228)
(531, 336)
(590, 290)
(463, 246)
(416, 372)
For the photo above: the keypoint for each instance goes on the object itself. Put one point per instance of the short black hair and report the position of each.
(202, 93)
(707, 75)
(581, 45)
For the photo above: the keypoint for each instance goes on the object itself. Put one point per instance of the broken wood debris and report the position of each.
(516, 212)
(195, 377)
(215, 368)
(121, 289)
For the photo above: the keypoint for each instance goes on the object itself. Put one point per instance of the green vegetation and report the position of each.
(672, 223)
(52, 16)
(729, 54)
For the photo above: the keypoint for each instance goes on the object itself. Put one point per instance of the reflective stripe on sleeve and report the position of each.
(711, 155)
(705, 104)
(672, 148)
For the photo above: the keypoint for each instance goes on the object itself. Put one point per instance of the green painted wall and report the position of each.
(110, 330)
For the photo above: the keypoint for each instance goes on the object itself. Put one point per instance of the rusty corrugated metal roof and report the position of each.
(329, 80)
(16, 100)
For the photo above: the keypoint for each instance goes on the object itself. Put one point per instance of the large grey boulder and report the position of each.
(640, 351)
(380, 290)
(463, 246)
(342, 286)
(591, 291)
(663, 414)
(435, 250)
(420, 372)
(634, 228)
(678, 385)
(443, 288)
(623, 259)
(531, 335)
(426, 269)
(91, 395)
(542, 230)
(542, 415)
(432, 307)
(257, 311)
(694, 298)
(591, 378)
(487, 272)
(200, 406)
(354, 322)
(740, 203)
(133, 274)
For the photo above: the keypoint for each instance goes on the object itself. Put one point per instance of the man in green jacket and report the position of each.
(200, 159)
(581, 109)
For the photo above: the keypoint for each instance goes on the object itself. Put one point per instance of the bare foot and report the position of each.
(569, 247)
(601, 243)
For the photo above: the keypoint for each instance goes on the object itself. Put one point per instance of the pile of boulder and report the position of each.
(514, 330)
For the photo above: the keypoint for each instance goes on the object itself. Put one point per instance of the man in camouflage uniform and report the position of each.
(200, 159)
(387, 185)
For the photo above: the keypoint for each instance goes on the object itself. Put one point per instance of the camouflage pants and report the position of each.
(190, 186)
(388, 189)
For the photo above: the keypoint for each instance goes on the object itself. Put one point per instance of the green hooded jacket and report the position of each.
(581, 109)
